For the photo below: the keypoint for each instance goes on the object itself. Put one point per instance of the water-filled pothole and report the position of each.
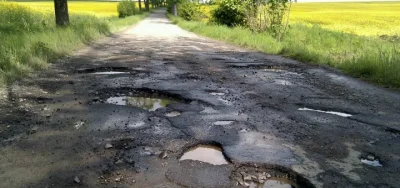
(150, 104)
(172, 114)
(263, 176)
(205, 153)
(217, 93)
(223, 122)
(109, 72)
(327, 112)
(144, 98)
(371, 160)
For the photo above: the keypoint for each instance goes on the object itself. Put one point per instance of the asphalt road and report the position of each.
(122, 111)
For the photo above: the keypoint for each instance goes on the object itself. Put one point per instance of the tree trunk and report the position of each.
(61, 10)
(174, 11)
(146, 4)
(140, 5)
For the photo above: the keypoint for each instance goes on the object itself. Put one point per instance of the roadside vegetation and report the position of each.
(367, 47)
(98, 8)
(30, 39)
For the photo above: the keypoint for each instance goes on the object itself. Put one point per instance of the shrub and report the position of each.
(126, 8)
(189, 11)
(230, 13)
(268, 15)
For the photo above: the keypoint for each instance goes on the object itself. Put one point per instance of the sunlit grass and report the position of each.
(368, 19)
(89, 7)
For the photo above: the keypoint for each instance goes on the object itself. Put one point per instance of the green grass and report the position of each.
(372, 59)
(30, 40)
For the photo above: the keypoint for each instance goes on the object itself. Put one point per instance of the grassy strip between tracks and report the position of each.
(30, 39)
(373, 59)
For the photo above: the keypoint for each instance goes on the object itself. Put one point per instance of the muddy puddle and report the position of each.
(147, 103)
(327, 112)
(205, 153)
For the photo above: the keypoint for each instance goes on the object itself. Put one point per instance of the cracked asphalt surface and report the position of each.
(57, 130)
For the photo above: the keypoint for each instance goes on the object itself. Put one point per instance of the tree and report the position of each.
(140, 5)
(61, 11)
(146, 4)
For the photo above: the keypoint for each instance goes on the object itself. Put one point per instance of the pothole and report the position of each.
(109, 72)
(371, 160)
(150, 104)
(225, 122)
(172, 114)
(262, 176)
(205, 153)
(327, 112)
(143, 98)
(217, 93)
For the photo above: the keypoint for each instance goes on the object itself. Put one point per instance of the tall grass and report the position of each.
(372, 59)
(30, 39)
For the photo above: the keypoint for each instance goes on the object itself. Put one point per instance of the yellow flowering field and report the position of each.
(91, 7)
(361, 18)
(370, 19)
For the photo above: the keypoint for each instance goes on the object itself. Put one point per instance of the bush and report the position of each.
(230, 13)
(126, 8)
(189, 11)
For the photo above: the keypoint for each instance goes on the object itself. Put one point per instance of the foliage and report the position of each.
(126, 8)
(268, 15)
(156, 3)
(189, 11)
(170, 3)
(373, 59)
(230, 13)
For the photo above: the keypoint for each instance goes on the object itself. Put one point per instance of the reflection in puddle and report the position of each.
(109, 72)
(172, 114)
(328, 112)
(371, 160)
(223, 122)
(150, 104)
(217, 94)
(205, 153)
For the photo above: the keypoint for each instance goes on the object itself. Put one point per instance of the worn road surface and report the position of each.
(122, 111)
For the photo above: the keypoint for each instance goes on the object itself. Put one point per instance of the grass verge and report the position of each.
(372, 59)
(30, 40)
